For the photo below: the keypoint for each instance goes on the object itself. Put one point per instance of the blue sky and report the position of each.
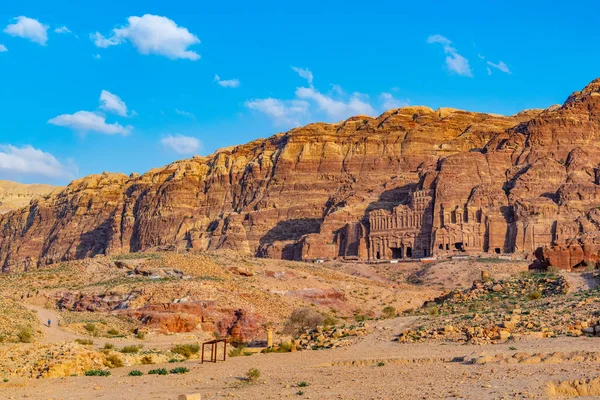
(94, 86)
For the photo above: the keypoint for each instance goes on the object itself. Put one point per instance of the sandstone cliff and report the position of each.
(431, 181)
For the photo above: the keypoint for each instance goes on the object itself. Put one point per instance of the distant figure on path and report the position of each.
(49, 322)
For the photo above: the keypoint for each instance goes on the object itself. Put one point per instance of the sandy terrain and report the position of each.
(418, 371)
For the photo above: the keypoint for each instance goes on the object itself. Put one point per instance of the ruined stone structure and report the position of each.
(411, 182)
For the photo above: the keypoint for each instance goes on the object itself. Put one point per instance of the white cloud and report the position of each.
(112, 103)
(388, 101)
(28, 28)
(28, 160)
(304, 73)
(232, 83)
(97, 56)
(3, 48)
(501, 66)
(182, 144)
(185, 113)
(454, 61)
(489, 70)
(86, 121)
(283, 112)
(152, 34)
(62, 29)
(336, 108)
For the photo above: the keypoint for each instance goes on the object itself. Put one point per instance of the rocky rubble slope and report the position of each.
(307, 193)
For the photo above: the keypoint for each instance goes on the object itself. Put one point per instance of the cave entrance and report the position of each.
(409, 252)
(447, 246)
(441, 247)
(459, 246)
(378, 256)
(396, 252)
(497, 250)
(425, 253)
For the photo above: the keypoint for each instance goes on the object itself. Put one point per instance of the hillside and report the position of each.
(14, 195)
(412, 182)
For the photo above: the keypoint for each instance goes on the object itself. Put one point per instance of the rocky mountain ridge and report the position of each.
(438, 181)
(14, 195)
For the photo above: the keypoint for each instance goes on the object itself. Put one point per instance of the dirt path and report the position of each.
(52, 333)
(579, 281)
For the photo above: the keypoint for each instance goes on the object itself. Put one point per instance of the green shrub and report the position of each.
(133, 349)
(535, 295)
(186, 350)
(300, 393)
(136, 372)
(140, 335)
(97, 372)
(159, 371)
(108, 346)
(84, 342)
(113, 332)
(303, 384)
(388, 312)
(434, 311)
(252, 375)
(174, 360)
(25, 335)
(180, 370)
(113, 361)
(92, 329)
(239, 351)
(380, 364)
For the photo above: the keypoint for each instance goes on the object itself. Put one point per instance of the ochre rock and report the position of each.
(412, 182)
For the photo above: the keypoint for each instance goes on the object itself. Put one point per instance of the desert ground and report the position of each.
(516, 334)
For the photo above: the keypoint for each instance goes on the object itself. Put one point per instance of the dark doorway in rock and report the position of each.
(441, 247)
(497, 250)
(409, 252)
(425, 253)
(378, 256)
(447, 246)
(459, 246)
(396, 252)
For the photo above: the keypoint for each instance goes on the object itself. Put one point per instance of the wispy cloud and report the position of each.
(152, 34)
(96, 56)
(388, 101)
(501, 66)
(182, 144)
(112, 103)
(230, 83)
(304, 73)
(282, 112)
(28, 28)
(454, 61)
(336, 108)
(28, 160)
(62, 29)
(86, 121)
(3, 48)
(185, 113)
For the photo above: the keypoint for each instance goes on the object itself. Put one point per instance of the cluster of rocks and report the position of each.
(329, 337)
(536, 286)
(493, 312)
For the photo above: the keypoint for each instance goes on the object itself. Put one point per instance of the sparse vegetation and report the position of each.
(253, 375)
(147, 359)
(179, 370)
(132, 349)
(389, 312)
(303, 384)
(84, 342)
(136, 372)
(97, 372)
(239, 351)
(301, 319)
(113, 361)
(186, 350)
(25, 335)
(159, 371)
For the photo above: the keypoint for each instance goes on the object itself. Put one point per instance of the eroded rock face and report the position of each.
(496, 184)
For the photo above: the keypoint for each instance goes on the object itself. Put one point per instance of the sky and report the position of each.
(126, 86)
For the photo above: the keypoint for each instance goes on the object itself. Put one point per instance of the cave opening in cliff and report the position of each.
(497, 250)
(378, 256)
(459, 246)
(441, 247)
(396, 252)
(409, 252)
